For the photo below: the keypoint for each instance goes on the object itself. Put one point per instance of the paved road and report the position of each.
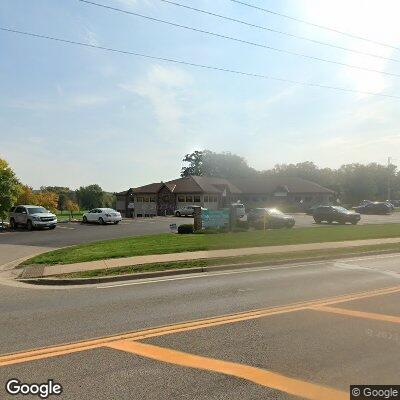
(297, 350)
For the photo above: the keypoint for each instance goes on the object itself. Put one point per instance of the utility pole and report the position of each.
(388, 181)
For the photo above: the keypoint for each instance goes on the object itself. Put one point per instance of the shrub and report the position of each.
(185, 228)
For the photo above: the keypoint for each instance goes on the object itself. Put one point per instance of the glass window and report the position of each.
(189, 199)
(196, 198)
(181, 199)
(146, 199)
(205, 199)
(152, 199)
(139, 199)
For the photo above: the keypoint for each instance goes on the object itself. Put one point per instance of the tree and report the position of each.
(26, 195)
(221, 165)
(71, 206)
(47, 200)
(64, 194)
(9, 189)
(195, 161)
(89, 197)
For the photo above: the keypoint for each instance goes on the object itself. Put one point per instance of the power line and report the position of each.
(265, 28)
(238, 40)
(327, 28)
(210, 67)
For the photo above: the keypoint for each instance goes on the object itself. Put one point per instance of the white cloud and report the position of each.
(166, 90)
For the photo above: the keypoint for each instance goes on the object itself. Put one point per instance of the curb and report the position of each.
(185, 271)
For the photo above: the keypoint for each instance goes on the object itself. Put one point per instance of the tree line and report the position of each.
(352, 182)
(54, 198)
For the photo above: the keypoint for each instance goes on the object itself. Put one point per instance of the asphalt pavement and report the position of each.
(318, 327)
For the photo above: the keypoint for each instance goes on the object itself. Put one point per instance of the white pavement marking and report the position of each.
(208, 274)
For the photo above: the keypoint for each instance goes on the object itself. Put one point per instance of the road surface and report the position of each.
(319, 327)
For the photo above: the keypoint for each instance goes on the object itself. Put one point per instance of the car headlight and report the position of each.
(108, 215)
(35, 219)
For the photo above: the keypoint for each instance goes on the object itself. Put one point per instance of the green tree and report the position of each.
(221, 165)
(195, 161)
(89, 197)
(65, 194)
(9, 189)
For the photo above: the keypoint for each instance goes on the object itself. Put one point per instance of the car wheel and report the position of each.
(13, 225)
(84, 220)
(342, 222)
(29, 225)
(329, 221)
(177, 214)
(354, 222)
(52, 227)
(101, 221)
(116, 222)
(317, 220)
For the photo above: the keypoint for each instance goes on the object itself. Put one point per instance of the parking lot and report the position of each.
(15, 245)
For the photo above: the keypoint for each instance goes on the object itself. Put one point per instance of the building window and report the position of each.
(152, 199)
(205, 199)
(189, 199)
(196, 198)
(181, 199)
(308, 199)
(213, 199)
(297, 198)
(146, 199)
(139, 199)
(264, 198)
(255, 199)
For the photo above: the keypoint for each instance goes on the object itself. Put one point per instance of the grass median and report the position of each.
(265, 259)
(174, 243)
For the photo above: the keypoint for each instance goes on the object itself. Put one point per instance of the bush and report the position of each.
(185, 228)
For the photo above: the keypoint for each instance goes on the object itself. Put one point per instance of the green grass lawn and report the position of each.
(254, 259)
(64, 215)
(174, 243)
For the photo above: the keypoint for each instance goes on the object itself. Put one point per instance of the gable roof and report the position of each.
(272, 184)
(254, 185)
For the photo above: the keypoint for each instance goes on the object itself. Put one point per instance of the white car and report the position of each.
(32, 217)
(102, 216)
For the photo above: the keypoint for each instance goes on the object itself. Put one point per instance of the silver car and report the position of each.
(32, 217)
(185, 211)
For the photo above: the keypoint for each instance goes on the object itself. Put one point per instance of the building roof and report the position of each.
(254, 185)
(272, 184)
(151, 188)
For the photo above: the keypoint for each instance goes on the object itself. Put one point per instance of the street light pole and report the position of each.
(388, 181)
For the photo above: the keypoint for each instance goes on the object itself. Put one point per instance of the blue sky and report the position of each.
(74, 116)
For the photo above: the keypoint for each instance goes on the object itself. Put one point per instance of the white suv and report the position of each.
(32, 217)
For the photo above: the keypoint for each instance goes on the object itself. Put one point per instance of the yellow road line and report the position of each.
(359, 314)
(259, 376)
(53, 351)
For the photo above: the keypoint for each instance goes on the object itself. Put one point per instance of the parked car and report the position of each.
(390, 204)
(374, 208)
(310, 210)
(364, 202)
(335, 214)
(186, 211)
(396, 203)
(272, 216)
(102, 216)
(32, 217)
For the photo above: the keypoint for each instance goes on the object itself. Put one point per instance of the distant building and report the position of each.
(163, 198)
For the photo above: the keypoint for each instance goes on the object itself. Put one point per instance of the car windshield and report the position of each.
(37, 210)
(275, 211)
(341, 209)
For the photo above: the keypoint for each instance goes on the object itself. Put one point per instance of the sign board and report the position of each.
(173, 227)
(214, 218)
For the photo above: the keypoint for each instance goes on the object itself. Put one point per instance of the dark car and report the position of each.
(396, 203)
(335, 214)
(374, 208)
(273, 218)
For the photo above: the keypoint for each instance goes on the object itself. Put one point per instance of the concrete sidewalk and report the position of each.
(44, 271)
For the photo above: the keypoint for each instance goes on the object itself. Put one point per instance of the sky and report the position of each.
(72, 116)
